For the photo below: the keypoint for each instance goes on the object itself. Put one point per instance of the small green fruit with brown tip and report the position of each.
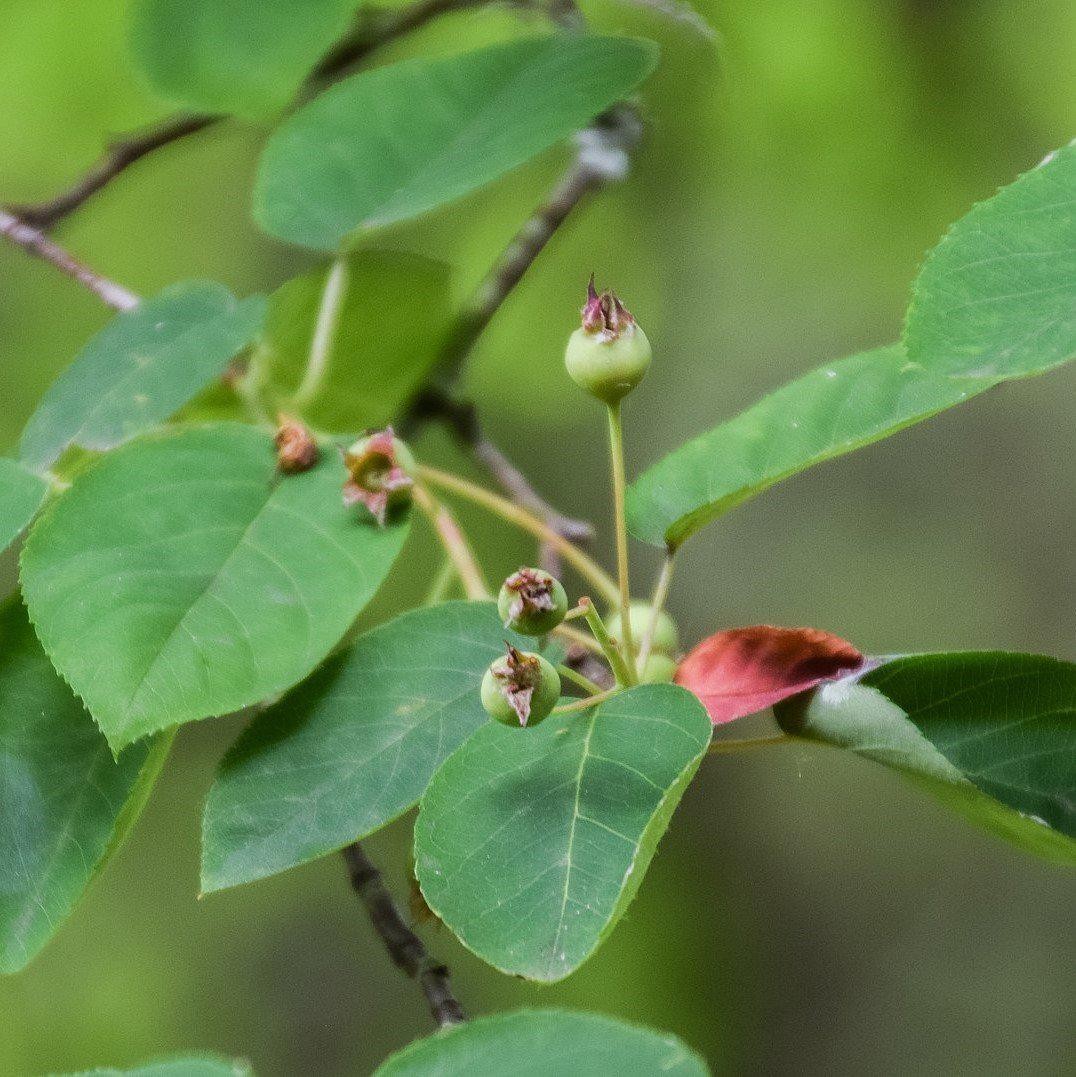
(520, 689)
(532, 602)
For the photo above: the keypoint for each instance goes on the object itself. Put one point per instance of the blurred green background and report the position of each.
(807, 913)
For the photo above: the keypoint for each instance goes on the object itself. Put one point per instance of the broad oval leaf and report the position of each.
(348, 344)
(545, 1043)
(992, 734)
(744, 670)
(394, 142)
(352, 747)
(140, 369)
(182, 577)
(828, 412)
(997, 297)
(65, 803)
(22, 493)
(530, 844)
(242, 56)
(200, 1065)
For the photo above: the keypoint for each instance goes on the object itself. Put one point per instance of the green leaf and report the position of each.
(202, 1065)
(182, 577)
(353, 747)
(22, 493)
(992, 734)
(997, 297)
(242, 56)
(140, 369)
(392, 143)
(996, 300)
(530, 844)
(348, 344)
(545, 1043)
(828, 412)
(65, 804)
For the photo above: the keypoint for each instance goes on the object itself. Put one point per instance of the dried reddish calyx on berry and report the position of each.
(381, 473)
(609, 354)
(520, 689)
(532, 602)
(296, 448)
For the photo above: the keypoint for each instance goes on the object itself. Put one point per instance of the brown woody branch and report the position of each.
(405, 948)
(35, 242)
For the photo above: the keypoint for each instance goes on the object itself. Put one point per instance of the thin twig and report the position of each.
(657, 604)
(405, 948)
(374, 28)
(455, 544)
(35, 242)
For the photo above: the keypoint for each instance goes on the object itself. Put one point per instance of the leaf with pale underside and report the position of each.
(991, 734)
(352, 747)
(348, 344)
(65, 803)
(996, 300)
(392, 143)
(244, 56)
(531, 843)
(22, 493)
(200, 1065)
(140, 369)
(183, 576)
(545, 1043)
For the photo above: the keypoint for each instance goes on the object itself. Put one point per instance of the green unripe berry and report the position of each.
(609, 354)
(658, 669)
(520, 689)
(532, 602)
(666, 637)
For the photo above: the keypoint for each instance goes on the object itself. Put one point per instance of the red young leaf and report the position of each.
(745, 670)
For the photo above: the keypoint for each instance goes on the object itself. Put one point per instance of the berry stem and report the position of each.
(441, 584)
(586, 704)
(622, 670)
(657, 604)
(732, 747)
(455, 544)
(573, 635)
(616, 456)
(573, 675)
(521, 518)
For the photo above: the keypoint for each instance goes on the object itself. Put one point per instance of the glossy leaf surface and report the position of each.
(545, 1043)
(65, 803)
(744, 670)
(389, 144)
(182, 576)
(530, 843)
(235, 55)
(352, 747)
(140, 369)
(991, 734)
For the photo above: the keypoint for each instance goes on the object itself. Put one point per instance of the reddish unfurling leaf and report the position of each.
(744, 670)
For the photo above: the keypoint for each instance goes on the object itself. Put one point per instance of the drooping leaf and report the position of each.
(391, 143)
(242, 56)
(182, 576)
(531, 843)
(347, 345)
(744, 670)
(65, 804)
(140, 369)
(992, 734)
(995, 301)
(22, 493)
(352, 747)
(997, 297)
(545, 1043)
(201, 1065)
